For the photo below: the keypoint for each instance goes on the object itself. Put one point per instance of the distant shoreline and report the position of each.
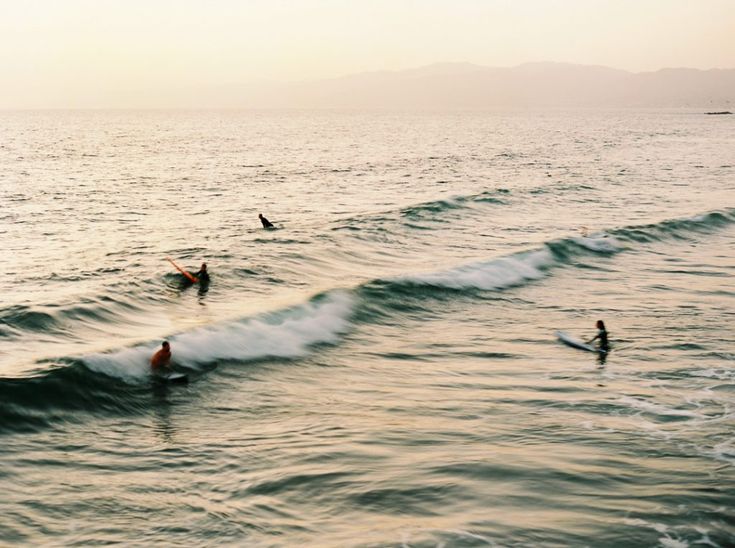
(444, 86)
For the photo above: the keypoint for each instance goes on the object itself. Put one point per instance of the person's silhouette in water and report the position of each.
(202, 275)
(602, 336)
(266, 222)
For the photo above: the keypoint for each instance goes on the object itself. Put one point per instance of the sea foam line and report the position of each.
(505, 272)
(287, 333)
(496, 274)
(529, 265)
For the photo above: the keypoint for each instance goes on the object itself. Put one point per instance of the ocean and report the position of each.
(382, 369)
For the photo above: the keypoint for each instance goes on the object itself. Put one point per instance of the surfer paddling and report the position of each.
(161, 360)
(201, 277)
(602, 336)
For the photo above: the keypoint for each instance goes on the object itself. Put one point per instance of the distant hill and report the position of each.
(467, 86)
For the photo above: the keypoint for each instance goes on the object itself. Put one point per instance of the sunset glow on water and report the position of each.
(381, 369)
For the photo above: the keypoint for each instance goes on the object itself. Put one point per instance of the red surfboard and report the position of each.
(192, 279)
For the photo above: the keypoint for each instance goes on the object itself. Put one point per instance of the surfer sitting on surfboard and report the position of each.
(266, 222)
(602, 335)
(161, 360)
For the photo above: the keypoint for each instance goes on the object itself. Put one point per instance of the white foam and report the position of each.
(724, 452)
(599, 243)
(705, 540)
(719, 374)
(286, 334)
(669, 542)
(657, 409)
(128, 363)
(495, 274)
(658, 527)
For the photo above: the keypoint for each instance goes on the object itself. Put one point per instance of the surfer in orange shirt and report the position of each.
(162, 358)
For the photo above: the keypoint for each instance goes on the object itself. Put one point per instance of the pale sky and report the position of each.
(78, 52)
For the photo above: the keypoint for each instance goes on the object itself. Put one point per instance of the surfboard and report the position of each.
(188, 276)
(574, 342)
(174, 378)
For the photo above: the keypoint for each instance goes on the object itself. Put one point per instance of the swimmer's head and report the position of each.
(600, 324)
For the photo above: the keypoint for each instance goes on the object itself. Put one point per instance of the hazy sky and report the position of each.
(55, 52)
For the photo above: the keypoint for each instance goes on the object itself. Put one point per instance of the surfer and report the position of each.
(602, 336)
(202, 275)
(266, 222)
(162, 358)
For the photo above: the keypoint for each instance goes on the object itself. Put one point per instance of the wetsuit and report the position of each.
(602, 335)
(266, 222)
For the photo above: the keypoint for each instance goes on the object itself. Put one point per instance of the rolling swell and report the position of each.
(21, 317)
(288, 333)
(678, 228)
(439, 206)
(58, 317)
(520, 268)
(431, 210)
(118, 382)
(59, 394)
(513, 270)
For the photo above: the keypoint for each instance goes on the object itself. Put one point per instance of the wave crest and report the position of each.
(284, 334)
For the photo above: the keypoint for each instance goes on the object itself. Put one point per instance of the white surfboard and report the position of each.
(173, 377)
(574, 342)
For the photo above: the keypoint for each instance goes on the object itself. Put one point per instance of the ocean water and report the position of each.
(382, 369)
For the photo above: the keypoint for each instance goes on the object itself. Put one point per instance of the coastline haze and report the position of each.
(83, 54)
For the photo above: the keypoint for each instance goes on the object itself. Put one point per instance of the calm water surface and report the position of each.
(382, 369)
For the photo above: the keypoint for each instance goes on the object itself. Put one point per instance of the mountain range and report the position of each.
(468, 86)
